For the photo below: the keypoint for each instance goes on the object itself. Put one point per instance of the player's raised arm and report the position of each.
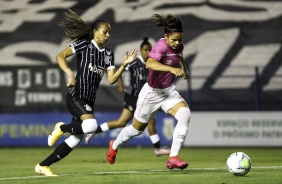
(113, 75)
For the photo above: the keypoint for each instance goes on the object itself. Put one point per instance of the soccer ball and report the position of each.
(239, 163)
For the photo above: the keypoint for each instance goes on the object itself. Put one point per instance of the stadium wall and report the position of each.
(232, 49)
(259, 129)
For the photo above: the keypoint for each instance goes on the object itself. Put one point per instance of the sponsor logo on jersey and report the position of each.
(97, 69)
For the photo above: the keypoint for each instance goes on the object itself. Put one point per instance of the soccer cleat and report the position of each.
(162, 151)
(44, 170)
(174, 162)
(56, 134)
(88, 137)
(111, 154)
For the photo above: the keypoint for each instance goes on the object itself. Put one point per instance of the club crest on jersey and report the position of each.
(87, 107)
(169, 62)
(107, 59)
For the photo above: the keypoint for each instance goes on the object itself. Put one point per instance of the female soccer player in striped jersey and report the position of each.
(159, 92)
(93, 60)
(138, 77)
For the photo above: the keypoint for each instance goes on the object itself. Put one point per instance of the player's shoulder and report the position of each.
(161, 41)
(80, 41)
(109, 51)
(161, 44)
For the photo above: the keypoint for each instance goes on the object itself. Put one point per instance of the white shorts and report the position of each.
(150, 100)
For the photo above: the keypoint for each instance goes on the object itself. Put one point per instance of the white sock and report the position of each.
(181, 129)
(125, 135)
(155, 138)
(104, 127)
(74, 140)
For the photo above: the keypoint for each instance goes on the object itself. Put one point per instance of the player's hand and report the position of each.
(71, 82)
(128, 58)
(186, 75)
(178, 72)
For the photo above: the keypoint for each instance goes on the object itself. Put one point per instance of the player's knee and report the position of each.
(74, 140)
(184, 114)
(130, 132)
(89, 126)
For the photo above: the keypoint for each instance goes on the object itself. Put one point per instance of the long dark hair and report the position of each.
(75, 28)
(171, 23)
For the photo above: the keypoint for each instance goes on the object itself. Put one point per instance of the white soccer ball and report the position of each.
(239, 163)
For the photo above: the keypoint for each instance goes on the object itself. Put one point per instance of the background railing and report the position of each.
(236, 88)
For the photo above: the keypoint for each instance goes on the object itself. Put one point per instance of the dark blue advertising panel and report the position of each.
(33, 129)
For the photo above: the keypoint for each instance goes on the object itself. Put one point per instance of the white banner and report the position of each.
(235, 129)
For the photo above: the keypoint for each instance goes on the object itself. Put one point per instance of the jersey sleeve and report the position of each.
(157, 52)
(110, 59)
(132, 64)
(78, 46)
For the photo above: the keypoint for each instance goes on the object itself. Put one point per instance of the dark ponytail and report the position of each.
(171, 23)
(75, 28)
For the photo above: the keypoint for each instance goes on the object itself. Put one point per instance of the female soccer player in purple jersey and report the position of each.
(159, 92)
(138, 77)
(93, 60)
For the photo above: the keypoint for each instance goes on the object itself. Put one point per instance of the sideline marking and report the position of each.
(129, 172)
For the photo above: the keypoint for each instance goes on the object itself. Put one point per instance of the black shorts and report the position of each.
(130, 102)
(78, 106)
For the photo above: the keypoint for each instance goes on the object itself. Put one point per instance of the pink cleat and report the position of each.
(111, 154)
(162, 151)
(174, 162)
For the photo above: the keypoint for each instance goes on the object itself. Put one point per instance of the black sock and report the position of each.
(99, 130)
(59, 153)
(157, 145)
(73, 128)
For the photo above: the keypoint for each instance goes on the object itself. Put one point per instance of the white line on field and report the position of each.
(130, 172)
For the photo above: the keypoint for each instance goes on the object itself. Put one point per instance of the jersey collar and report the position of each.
(94, 43)
(141, 59)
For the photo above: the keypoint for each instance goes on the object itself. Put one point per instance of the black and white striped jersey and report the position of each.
(92, 63)
(138, 76)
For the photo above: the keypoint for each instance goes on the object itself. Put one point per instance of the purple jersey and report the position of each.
(163, 53)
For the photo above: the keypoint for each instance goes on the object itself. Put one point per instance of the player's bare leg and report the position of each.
(124, 118)
(155, 139)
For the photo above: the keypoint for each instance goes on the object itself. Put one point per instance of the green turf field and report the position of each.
(139, 165)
